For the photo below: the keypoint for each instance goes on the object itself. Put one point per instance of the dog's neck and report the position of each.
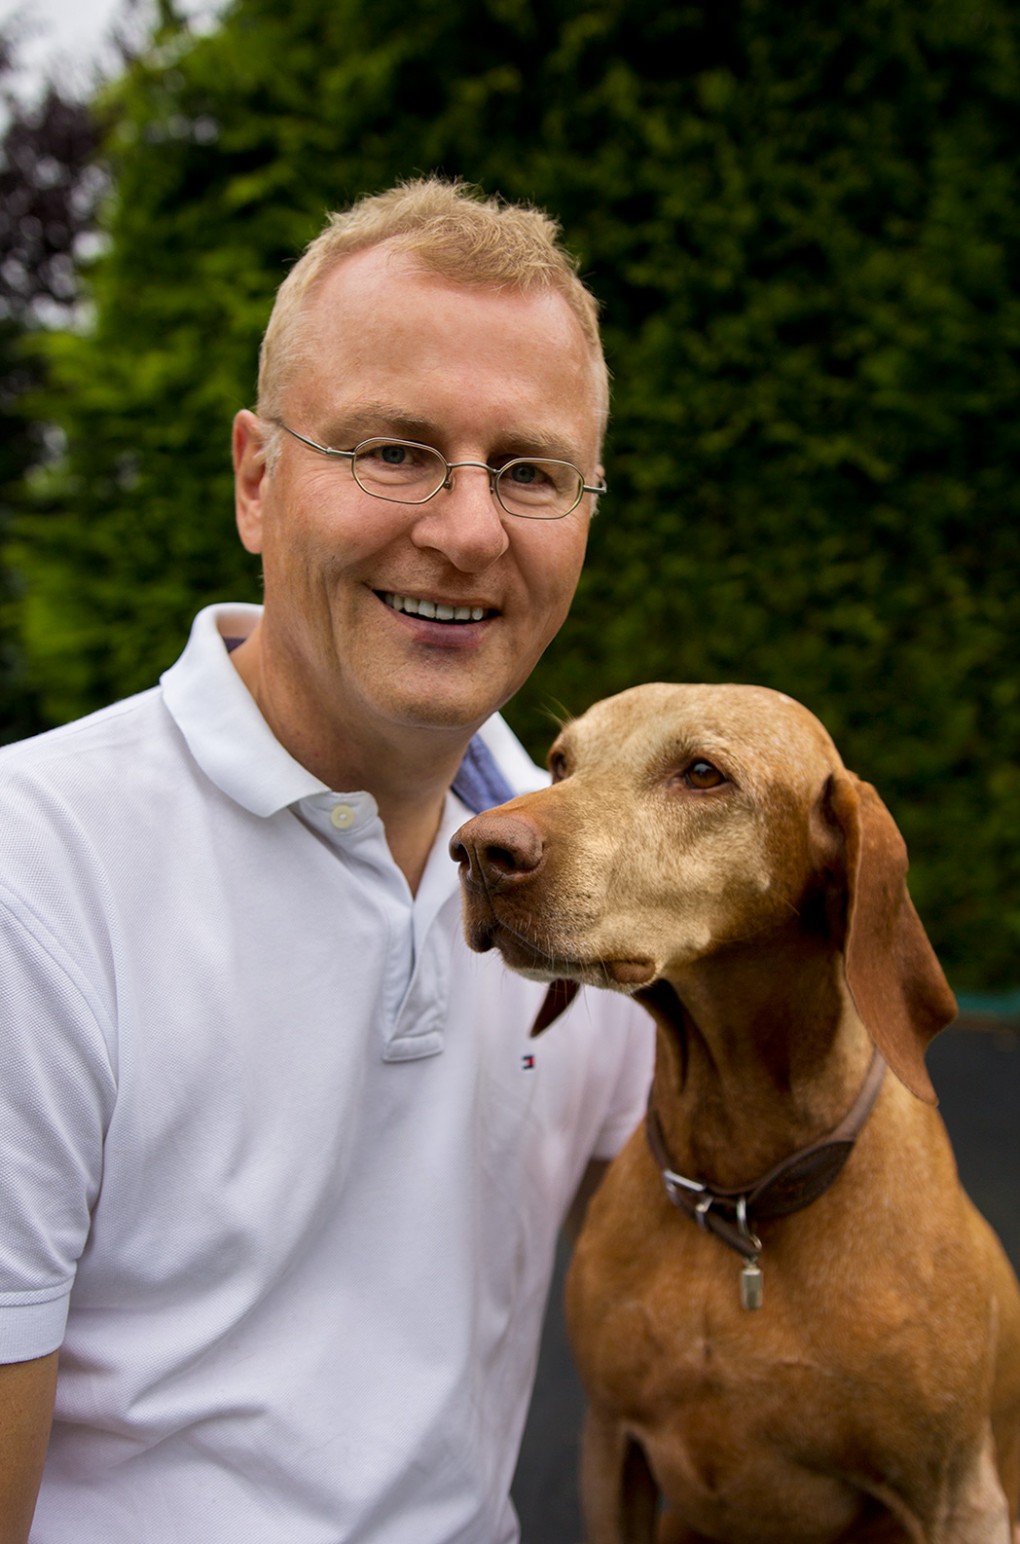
(747, 1071)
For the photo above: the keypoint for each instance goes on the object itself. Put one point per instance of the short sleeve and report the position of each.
(56, 1099)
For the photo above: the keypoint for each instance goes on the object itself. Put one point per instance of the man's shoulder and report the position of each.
(87, 776)
(72, 747)
(135, 729)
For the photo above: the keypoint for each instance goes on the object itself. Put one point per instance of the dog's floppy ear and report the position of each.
(895, 980)
(558, 998)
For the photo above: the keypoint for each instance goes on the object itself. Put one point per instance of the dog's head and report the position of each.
(694, 823)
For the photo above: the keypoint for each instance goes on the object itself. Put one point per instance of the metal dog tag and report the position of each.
(751, 1285)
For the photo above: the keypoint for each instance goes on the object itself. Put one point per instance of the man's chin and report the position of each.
(450, 701)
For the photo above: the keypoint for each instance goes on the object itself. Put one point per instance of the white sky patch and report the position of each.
(69, 40)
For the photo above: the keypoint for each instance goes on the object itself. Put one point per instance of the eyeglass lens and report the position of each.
(406, 472)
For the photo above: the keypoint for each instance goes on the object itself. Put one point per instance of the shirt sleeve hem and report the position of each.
(32, 1329)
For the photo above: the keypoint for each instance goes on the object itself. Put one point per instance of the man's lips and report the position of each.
(434, 610)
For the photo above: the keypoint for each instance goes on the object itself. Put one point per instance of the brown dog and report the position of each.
(792, 1325)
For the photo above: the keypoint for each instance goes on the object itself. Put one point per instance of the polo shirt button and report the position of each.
(341, 817)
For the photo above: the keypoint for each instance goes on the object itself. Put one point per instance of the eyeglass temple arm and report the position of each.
(324, 450)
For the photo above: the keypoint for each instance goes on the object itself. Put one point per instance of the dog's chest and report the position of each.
(735, 1435)
(744, 1415)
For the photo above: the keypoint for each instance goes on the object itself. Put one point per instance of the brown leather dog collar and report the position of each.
(788, 1187)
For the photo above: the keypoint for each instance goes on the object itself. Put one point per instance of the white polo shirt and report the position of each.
(282, 1171)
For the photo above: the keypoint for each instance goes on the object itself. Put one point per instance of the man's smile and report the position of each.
(434, 610)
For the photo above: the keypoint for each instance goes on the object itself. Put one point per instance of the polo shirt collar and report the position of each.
(235, 747)
(219, 719)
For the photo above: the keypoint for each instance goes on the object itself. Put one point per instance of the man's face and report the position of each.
(481, 375)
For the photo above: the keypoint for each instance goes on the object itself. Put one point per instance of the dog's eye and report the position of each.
(558, 766)
(702, 774)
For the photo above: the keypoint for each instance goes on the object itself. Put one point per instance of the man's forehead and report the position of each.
(376, 301)
(386, 267)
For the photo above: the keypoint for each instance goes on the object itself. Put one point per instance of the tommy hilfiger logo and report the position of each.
(527, 1063)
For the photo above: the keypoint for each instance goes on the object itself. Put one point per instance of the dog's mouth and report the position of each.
(529, 958)
(520, 952)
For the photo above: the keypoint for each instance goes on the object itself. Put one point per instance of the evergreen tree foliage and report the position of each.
(48, 189)
(803, 224)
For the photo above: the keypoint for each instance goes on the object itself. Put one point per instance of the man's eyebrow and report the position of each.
(369, 420)
(541, 444)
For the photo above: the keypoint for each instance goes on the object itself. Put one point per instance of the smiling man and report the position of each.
(283, 1169)
(360, 663)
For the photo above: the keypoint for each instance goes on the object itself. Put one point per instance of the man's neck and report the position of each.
(408, 773)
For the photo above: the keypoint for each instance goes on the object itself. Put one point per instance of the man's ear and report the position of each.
(600, 476)
(248, 443)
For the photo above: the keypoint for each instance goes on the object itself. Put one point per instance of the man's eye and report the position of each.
(527, 473)
(382, 465)
(399, 455)
(702, 774)
(396, 454)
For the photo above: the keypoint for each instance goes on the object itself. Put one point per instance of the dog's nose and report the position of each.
(497, 850)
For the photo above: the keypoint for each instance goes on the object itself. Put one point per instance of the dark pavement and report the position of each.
(977, 1075)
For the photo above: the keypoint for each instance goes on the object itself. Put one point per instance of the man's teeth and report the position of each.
(434, 610)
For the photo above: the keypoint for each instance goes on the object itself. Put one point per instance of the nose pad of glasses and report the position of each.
(493, 473)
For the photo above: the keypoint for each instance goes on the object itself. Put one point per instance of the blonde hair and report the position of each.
(452, 230)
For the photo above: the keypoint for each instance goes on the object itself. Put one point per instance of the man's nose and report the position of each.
(464, 521)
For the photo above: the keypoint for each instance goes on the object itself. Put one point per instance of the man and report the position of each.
(283, 1169)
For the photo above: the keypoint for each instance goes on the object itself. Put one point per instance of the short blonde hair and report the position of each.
(453, 230)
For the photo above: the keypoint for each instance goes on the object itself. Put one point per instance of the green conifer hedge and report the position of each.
(803, 223)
